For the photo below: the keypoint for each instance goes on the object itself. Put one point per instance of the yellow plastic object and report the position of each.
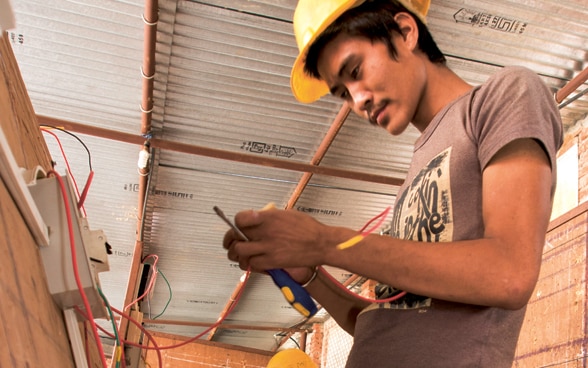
(288, 294)
(291, 358)
(269, 206)
(311, 18)
(301, 309)
(351, 242)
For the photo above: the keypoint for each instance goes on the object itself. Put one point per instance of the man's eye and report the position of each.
(340, 93)
(354, 73)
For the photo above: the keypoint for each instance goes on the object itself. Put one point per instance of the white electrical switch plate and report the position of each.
(90, 246)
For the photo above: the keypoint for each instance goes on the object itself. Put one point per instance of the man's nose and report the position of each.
(361, 98)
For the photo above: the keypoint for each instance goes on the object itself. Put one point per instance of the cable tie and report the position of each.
(147, 22)
(145, 75)
(146, 111)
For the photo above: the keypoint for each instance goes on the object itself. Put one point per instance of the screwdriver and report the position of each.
(294, 293)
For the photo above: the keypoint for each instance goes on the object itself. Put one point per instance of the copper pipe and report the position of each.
(316, 159)
(571, 86)
(320, 153)
(302, 342)
(221, 326)
(235, 295)
(150, 17)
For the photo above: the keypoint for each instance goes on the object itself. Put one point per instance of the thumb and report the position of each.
(269, 206)
(252, 217)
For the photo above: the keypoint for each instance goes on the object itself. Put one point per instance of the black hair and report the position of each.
(374, 20)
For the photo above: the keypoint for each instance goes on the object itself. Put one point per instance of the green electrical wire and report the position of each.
(117, 338)
(170, 294)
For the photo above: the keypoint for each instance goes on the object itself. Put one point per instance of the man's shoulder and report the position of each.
(509, 84)
(513, 74)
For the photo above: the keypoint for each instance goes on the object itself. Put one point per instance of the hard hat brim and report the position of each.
(305, 88)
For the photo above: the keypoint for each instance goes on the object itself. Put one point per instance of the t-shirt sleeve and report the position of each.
(515, 104)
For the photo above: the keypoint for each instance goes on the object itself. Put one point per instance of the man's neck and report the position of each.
(443, 87)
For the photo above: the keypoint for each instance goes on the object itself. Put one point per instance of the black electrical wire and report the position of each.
(77, 138)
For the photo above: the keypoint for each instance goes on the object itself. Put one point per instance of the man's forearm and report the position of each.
(342, 307)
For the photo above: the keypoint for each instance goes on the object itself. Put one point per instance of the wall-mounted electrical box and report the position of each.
(90, 247)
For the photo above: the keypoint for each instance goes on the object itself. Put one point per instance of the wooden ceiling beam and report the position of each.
(219, 154)
(223, 325)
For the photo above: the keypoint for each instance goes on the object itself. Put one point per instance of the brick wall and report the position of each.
(582, 139)
(314, 347)
(555, 328)
(554, 331)
(204, 354)
(329, 345)
(336, 346)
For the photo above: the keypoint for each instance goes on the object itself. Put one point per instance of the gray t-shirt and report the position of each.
(441, 201)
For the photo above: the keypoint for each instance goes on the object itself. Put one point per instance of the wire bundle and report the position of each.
(118, 356)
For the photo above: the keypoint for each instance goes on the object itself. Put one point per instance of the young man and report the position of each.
(469, 223)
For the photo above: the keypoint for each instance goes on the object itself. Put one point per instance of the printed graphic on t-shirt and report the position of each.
(422, 213)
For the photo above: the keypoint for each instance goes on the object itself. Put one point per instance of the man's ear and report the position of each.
(408, 28)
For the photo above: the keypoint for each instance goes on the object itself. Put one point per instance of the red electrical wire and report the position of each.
(382, 217)
(218, 322)
(158, 349)
(85, 191)
(125, 342)
(213, 326)
(145, 331)
(356, 296)
(75, 266)
(149, 287)
(363, 232)
(82, 197)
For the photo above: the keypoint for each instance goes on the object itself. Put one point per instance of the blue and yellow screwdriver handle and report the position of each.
(294, 293)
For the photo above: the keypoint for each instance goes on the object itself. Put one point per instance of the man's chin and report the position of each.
(395, 129)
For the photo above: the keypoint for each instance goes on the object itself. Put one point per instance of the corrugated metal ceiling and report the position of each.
(222, 82)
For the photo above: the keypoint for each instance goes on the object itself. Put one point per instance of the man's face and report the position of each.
(384, 90)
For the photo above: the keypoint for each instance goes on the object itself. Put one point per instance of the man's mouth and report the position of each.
(376, 116)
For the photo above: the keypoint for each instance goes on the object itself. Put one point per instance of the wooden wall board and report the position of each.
(17, 116)
(32, 325)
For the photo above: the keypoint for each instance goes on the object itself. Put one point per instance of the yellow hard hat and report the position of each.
(291, 358)
(311, 18)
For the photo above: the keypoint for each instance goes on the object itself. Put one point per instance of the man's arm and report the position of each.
(341, 306)
(498, 270)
